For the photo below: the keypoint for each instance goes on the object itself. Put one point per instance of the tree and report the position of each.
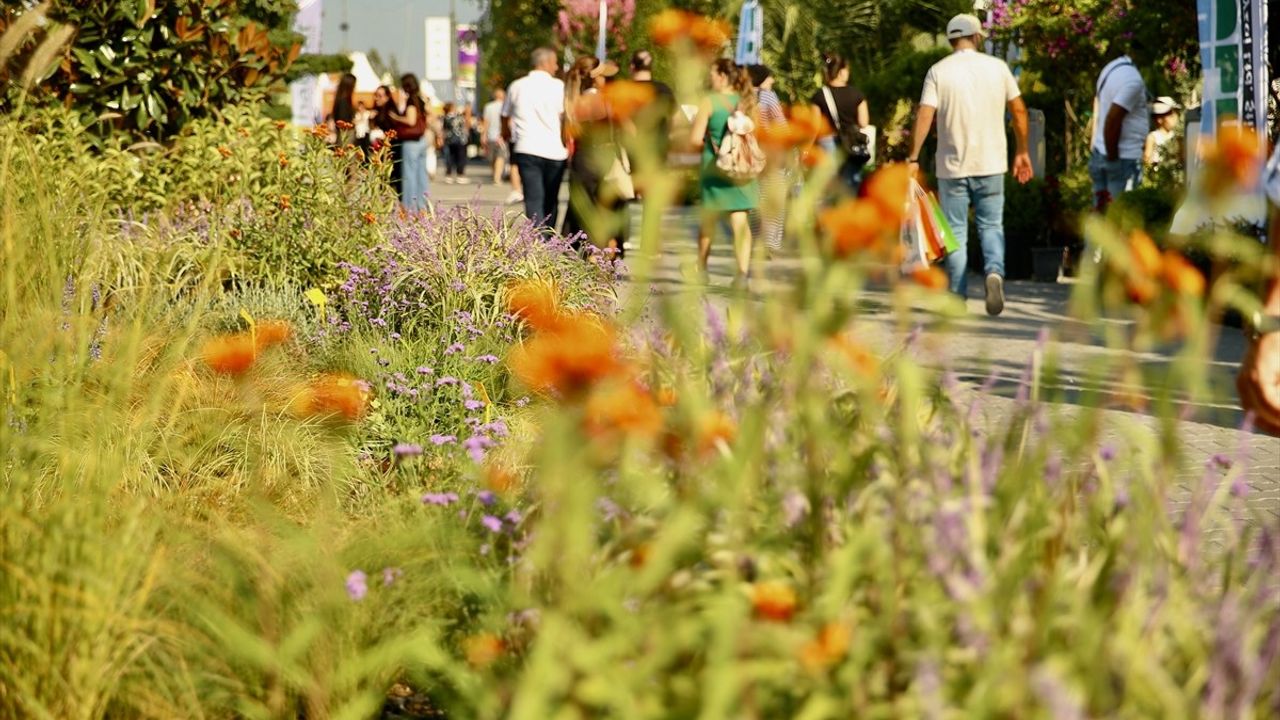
(147, 69)
(510, 31)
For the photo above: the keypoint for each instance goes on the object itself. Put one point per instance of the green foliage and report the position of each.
(308, 64)
(147, 69)
(510, 31)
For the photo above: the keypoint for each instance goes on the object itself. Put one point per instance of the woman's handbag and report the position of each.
(617, 183)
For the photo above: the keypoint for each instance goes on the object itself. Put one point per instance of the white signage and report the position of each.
(303, 92)
(439, 32)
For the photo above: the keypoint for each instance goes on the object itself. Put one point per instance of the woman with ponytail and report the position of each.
(845, 109)
(593, 209)
(731, 91)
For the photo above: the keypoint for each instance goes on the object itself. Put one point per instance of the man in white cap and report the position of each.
(968, 93)
(1121, 119)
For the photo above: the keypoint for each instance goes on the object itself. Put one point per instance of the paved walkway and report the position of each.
(989, 355)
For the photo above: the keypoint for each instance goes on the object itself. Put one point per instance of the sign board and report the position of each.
(439, 48)
(468, 56)
(1233, 53)
(304, 95)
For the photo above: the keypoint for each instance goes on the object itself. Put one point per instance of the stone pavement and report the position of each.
(990, 355)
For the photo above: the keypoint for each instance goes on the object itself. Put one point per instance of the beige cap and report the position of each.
(963, 25)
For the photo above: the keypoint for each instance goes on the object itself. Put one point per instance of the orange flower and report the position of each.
(483, 650)
(271, 332)
(855, 225)
(283, 160)
(865, 362)
(536, 302)
(1181, 276)
(887, 188)
(577, 354)
(666, 397)
(709, 34)
(622, 408)
(500, 479)
(625, 98)
(369, 218)
(1234, 159)
(809, 120)
(281, 124)
(344, 125)
(639, 556)
(715, 428)
(224, 151)
(243, 132)
(773, 600)
(828, 648)
(334, 394)
(284, 202)
(1143, 253)
(669, 26)
(930, 277)
(230, 354)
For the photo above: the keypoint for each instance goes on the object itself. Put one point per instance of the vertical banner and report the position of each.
(304, 93)
(439, 48)
(468, 56)
(750, 33)
(1233, 53)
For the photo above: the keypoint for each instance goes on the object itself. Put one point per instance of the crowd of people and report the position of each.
(548, 125)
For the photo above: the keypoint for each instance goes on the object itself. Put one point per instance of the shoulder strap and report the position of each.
(1107, 76)
(831, 106)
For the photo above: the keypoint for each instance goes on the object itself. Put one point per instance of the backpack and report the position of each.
(739, 156)
(853, 142)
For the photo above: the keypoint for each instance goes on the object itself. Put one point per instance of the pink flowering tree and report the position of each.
(579, 23)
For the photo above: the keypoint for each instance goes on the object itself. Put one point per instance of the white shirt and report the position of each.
(492, 115)
(535, 104)
(1121, 84)
(970, 92)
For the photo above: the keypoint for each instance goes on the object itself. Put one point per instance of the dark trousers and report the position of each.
(455, 159)
(541, 180)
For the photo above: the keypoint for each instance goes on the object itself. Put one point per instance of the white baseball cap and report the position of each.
(963, 25)
(1164, 105)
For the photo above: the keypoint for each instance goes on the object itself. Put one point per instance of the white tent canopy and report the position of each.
(366, 79)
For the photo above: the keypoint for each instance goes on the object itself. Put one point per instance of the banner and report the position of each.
(1233, 53)
(439, 48)
(468, 56)
(304, 95)
(750, 34)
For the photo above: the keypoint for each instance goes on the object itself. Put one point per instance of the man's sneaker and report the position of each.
(995, 294)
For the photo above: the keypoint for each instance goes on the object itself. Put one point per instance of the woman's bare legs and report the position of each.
(741, 225)
(705, 233)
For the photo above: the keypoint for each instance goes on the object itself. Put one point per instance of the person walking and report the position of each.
(534, 123)
(1121, 121)
(594, 208)
(968, 92)
(410, 133)
(384, 132)
(492, 144)
(454, 142)
(731, 92)
(650, 144)
(775, 182)
(845, 109)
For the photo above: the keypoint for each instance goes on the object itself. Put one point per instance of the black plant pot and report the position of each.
(1046, 262)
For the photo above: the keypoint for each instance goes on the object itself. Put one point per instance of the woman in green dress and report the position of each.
(731, 91)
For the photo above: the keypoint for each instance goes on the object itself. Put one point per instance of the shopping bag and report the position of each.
(948, 239)
(920, 235)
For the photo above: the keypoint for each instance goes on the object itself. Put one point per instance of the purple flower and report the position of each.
(424, 370)
(357, 585)
(490, 359)
(454, 349)
(513, 517)
(447, 380)
(486, 498)
(494, 524)
(403, 450)
(439, 440)
(395, 336)
(390, 575)
(476, 445)
(441, 499)
(473, 404)
(1107, 452)
(795, 506)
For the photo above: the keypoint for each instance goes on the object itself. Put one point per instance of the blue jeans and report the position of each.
(540, 179)
(413, 175)
(1112, 177)
(986, 195)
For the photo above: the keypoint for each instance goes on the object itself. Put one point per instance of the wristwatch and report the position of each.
(1262, 324)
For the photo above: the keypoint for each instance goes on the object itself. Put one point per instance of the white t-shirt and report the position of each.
(1121, 84)
(535, 104)
(970, 91)
(492, 115)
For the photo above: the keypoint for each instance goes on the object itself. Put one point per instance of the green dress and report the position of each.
(719, 193)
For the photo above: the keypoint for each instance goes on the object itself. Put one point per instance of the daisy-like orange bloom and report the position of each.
(773, 600)
(639, 556)
(578, 353)
(669, 26)
(500, 479)
(625, 98)
(242, 132)
(887, 188)
(285, 202)
(812, 157)
(855, 225)
(271, 332)
(283, 160)
(224, 151)
(483, 650)
(281, 124)
(230, 354)
(666, 397)
(709, 34)
(865, 362)
(1180, 275)
(536, 302)
(713, 429)
(623, 409)
(335, 395)
(828, 648)
(1233, 159)
(803, 126)
(1143, 268)
(344, 125)
(932, 278)
(369, 218)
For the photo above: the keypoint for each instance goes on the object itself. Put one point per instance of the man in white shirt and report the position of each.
(968, 92)
(534, 122)
(1121, 120)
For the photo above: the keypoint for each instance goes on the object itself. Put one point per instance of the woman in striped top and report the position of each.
(775, 182)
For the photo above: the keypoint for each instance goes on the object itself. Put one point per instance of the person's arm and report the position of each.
(698, 134)
(924, 123)
(1022, 170)
(864, 114)
(1259, 378)
(1149, 150)
(1111, 130)
(410, 116)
